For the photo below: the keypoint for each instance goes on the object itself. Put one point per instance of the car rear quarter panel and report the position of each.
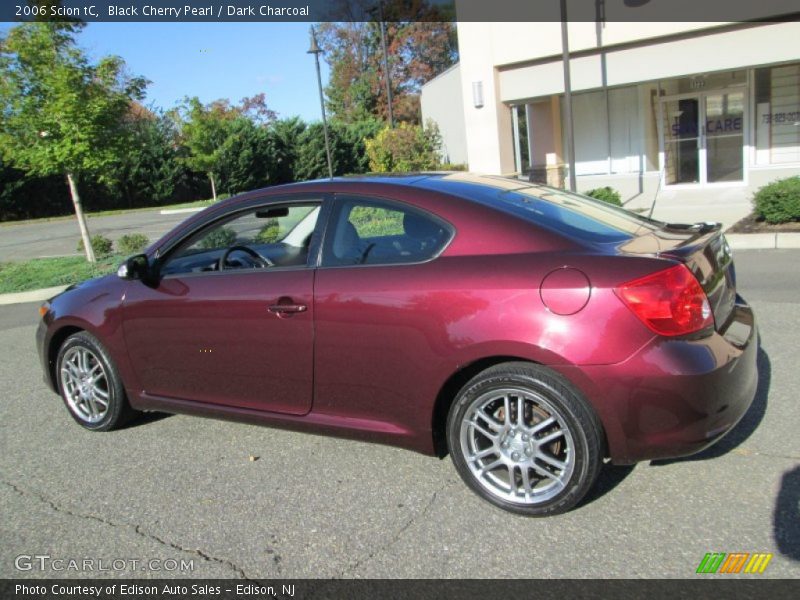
(388, 338)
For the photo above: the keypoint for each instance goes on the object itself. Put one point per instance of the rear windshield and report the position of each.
(574, 215)
(569, 214)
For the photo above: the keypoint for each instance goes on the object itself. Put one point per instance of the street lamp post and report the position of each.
(316, 51)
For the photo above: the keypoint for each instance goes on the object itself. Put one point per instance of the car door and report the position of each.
(378, 329)
(241, 335)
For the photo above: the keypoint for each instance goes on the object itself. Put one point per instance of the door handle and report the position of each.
(287, 309)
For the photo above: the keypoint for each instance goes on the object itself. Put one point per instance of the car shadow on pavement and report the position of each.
(610, 477)
(786, 519)
(746, 427)
(146, 418)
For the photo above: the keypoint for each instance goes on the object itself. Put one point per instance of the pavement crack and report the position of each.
(205, 556)
(748, 452)
(771, 455)
(350, 570)
(137, 529)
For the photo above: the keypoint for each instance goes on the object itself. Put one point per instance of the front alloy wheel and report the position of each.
(522, 438)
(89, 384)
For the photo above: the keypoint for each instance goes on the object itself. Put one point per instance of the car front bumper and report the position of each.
(676, 397)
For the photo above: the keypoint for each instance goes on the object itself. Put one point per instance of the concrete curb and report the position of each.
(180, 211)
(763, 241)
(31, 296)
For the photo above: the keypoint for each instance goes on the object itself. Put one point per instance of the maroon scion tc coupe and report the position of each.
(528, 332)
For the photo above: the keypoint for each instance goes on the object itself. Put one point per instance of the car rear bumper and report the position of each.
(676, 397)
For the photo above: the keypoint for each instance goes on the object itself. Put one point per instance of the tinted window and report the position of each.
(280, 235)
(570, 214)
(369, 232)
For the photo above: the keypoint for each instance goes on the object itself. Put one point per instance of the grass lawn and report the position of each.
(50, 272)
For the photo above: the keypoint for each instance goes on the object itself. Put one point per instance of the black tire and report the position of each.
(525, 480)
(118, 411)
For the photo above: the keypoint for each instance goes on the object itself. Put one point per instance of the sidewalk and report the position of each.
(31, 295)
(725, 205)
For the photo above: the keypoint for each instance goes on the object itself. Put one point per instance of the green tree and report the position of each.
(285, 135)
(204, 131)
(208, 129)
(62, 114)
(245, 158)
(152, 170)
(348, 149)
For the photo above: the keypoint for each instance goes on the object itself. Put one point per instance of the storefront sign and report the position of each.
(713, 127)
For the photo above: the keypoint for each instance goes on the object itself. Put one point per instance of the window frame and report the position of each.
(341, 198)
(323, 200)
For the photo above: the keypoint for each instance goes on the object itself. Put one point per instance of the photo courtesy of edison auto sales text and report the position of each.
(125, 589)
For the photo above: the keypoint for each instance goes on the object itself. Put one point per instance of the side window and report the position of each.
(370, 232)
(266, 237)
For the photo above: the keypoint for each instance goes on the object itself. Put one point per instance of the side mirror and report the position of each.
(135, 267)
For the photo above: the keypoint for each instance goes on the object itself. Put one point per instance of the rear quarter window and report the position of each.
(574, 216)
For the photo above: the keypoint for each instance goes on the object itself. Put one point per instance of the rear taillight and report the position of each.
(670, 302)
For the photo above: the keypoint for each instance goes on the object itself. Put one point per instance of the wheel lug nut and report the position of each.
(515, 456)
(527, 451)
(524, 437)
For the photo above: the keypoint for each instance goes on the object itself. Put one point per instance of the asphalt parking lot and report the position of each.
(59, 237)
(186, 488)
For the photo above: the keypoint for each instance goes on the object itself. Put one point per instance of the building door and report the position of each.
(724, 136)
(681, 140)
(703, 138)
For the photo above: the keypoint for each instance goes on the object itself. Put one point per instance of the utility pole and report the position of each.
(387, 75)
(316, 51)
(568, 125)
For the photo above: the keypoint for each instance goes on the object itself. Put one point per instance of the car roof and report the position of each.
(458, 183)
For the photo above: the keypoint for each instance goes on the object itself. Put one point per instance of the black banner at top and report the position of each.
(398, 10)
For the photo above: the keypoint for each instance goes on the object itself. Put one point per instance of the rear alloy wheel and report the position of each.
(525, 440)
(89, 384)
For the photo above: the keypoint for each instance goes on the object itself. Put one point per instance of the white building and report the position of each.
(656, 106)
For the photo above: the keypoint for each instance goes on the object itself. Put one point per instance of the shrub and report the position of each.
(606, 194)
(404, 148)
(779, 201)
(269, 233)
(132, 243)
(219, 238)
(101, 245)
(453, 167)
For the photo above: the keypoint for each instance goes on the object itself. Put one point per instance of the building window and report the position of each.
(608, 131)
(777, 119)
(590, 127)
(626, 131)
(519, 133)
